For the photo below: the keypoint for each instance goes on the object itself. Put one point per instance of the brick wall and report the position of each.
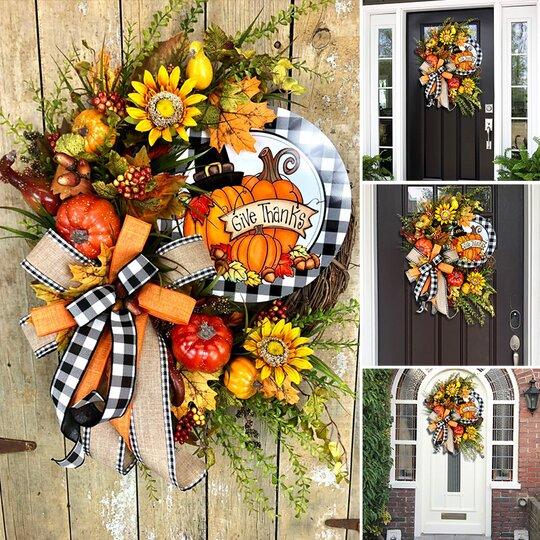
(507, 516)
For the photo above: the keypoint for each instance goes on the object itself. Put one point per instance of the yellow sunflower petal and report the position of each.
(250, 345)
(189, 122)
(259, 363)
(192, 100)
(137, 99)
(174, 78)
(144, 125)
(182, 133)
(163, 77)
(279, 375)
(266, 328)
(191, 112)
(187, 87)
(293, 374)
(139, 87)
(166, 134)
(153, 136)
(149, 80)
(266, 371)
(286, 328)
(300, 341)
(300, 363)
(303, 351)
(277, 330)
(295, 333)
(137, 114)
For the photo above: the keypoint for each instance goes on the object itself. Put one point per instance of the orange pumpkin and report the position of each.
(91, 125)
(468, 253)
(211, 227)
(268, 184)
(256, 251)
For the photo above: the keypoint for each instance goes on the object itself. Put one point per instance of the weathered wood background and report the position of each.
(40, 500)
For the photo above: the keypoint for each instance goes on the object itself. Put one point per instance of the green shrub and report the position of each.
(377, 460)
(519, 165)
(373, 168)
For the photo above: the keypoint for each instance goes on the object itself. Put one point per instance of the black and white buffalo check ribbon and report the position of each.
(428, 271)
(93, 312)
(491, 245)
(434, 79)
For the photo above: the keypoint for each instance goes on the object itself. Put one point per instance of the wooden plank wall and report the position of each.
(40, 500)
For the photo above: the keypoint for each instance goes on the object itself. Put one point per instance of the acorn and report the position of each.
(316, 260)
(66, 161)
(301, 264)
(221, 266)
(68, 179)
(83, 168)
(268, 275)
(310, 264)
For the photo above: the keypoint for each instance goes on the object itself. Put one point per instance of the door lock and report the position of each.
(515, 344)
(488, 126)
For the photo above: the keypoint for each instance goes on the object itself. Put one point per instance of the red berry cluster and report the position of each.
(52, 138)
(186, 424)
(132, 184)
(109, 102)
(278, 310)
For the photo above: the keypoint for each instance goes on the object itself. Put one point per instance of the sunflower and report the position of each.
(163, 109)
(477, 282)
(280, 351)
(445, 213)
(468, 85)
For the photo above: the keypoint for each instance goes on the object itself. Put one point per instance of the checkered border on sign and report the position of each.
(476, 46)
(333, 174)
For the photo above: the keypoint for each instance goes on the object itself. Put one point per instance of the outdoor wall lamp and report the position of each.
(531, 396)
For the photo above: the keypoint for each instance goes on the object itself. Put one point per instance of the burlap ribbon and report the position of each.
(440, 428)
(140, 423)
(434, 79)
(428, 273)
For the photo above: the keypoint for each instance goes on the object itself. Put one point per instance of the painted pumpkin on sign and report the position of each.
(256, 252)
(469, 246)
(268, 184)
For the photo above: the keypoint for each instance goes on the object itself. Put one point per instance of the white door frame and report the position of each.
(421, 457)
(369, 285)
(501, 90)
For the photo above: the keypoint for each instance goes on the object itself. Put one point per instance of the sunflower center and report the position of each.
(274, 351)
(165, 109)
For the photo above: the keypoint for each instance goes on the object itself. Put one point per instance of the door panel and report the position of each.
(442, 144)
(406, 337)
(453, 500)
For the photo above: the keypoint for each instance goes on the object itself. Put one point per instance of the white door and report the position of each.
(452, 491)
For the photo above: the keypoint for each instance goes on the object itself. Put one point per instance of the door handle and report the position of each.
(515, 344)
(488, 127)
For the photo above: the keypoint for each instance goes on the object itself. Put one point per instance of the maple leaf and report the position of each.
(287, 392)
(284, 266)
(200, 207)
(45, 294)
(197, 392)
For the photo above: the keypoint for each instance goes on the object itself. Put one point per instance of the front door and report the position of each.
(452, 490)
(406, 337)
(442, 144)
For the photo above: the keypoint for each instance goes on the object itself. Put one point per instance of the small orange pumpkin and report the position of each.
(256, 251)
(211, 227)
(241, 377)
(468, 253)
(91, 125)
(268, 184)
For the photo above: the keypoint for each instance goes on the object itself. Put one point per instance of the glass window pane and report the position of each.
(503, 422)
(519, 70)
(519, 102)
(447, 190)
(385, 132)
(385, 73)
(385, 43)
(406, 422)
(503, 462)
(519, 37)
(416, 197)
(405, 462)
(519, 133)
(500, 384)
(483, 195)
(454, 473)
(387, 159)
(385, 102)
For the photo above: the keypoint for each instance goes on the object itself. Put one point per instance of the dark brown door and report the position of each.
(406, 337)
(442, 144)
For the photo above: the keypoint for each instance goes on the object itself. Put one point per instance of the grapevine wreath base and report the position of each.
(162, 364)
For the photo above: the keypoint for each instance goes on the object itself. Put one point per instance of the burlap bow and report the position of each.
(428, 273)
(434, 79)
(441, 429)
(110, 345)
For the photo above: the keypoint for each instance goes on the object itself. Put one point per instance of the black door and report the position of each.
(442, 144)
(406, 337)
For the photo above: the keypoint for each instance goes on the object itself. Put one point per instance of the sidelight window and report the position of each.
(384, 90)
(519, 61)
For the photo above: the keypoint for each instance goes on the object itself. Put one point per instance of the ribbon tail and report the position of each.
(75, 457)
(440, 302)
(443, 96)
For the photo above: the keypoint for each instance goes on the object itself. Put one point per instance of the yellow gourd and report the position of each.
(199, 66)
(241, 377)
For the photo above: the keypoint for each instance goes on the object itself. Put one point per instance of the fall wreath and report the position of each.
(455, 416)
(451, 60)
(155, 368)
(450, 257)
